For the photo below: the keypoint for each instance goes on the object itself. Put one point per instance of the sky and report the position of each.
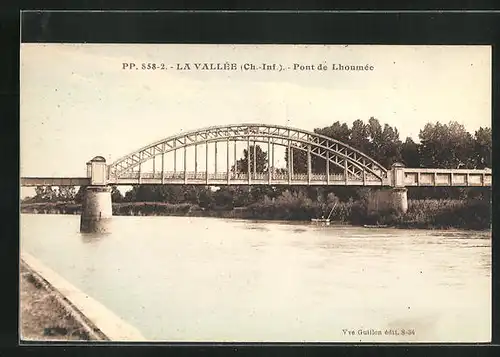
(78, 102)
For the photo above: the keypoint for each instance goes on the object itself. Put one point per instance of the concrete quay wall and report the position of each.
(98, 320)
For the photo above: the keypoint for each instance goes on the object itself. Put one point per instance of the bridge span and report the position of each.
(311, 159)
(413, 177)
(54, 181)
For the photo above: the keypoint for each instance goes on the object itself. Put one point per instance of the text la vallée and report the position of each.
(231, 66)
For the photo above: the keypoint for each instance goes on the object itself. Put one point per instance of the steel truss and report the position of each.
(352, 161)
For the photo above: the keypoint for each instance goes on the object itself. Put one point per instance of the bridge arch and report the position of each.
(336, 152)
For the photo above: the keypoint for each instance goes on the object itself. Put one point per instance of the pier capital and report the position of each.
(398, 175)
(97, 171)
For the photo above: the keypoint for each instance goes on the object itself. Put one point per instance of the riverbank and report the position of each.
(422, 214)
(42, 315)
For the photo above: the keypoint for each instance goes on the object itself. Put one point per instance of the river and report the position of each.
(209, 279)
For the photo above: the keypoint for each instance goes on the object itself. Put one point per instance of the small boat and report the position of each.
(323, 219)
(375, 225)
(320, 220)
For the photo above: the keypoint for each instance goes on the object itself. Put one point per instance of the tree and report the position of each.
(206, 198)
(142, 193)
(79, 195)
(116, 195)
(242, 196)
(446, 146)
(389, 147)
(224, 197)
(45, 194)
(66, 193)
(261, 162)
(376, 138)
(483, 148)
(192, 194)
(381, 144)
(359, 136)
(337, 131)
(172, 193)
(299, 160)
(409, 153)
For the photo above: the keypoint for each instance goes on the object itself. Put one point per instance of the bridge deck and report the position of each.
(446, 177)
(55, 181)
(412, 177)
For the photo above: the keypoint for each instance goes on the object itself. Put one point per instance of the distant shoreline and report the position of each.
(424, 214)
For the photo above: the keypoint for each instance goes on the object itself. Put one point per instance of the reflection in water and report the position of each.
(92, 238)
(205, 279)
(257, 228)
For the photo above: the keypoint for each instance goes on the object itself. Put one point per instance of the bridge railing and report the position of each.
(446, 177)
(259, 176)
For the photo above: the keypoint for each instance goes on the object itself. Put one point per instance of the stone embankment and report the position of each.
(53, 309)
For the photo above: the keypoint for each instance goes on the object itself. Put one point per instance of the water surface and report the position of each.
(208, 279)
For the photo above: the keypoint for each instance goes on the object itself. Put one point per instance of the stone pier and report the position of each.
(394, 198)
(399, 191)
(96, 206)
(96, 210)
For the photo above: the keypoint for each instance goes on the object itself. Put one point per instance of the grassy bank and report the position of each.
(42, 317)
(431, 213)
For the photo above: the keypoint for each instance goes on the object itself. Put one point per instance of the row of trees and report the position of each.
(66, 194)
(441, 145)
(51, 194)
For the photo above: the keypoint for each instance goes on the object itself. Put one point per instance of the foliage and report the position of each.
(261, 160)
(483, 148)
(54, 194)
(116, 195)
(446, 146)
(441, 145)
(410, 153)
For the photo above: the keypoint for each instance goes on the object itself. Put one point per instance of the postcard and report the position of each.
(255, 193)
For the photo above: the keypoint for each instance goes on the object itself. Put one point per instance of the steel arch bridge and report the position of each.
(357, 167)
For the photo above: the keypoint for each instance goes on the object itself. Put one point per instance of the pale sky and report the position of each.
(77, 101)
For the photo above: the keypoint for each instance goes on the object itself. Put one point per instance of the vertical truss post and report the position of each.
(154, 162)
(254, 160)
(272, 174)
(139, 169)
(206, 162)
(215, 150)
(269, 160)
(289, 161)
(346, 176)
(175, 155)
(163, 167)
(327, 167)
(227, 158)
(235, 160)
(364, 177)
(248, 155)
(195, 158)
(185, 161)
(309, 164)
